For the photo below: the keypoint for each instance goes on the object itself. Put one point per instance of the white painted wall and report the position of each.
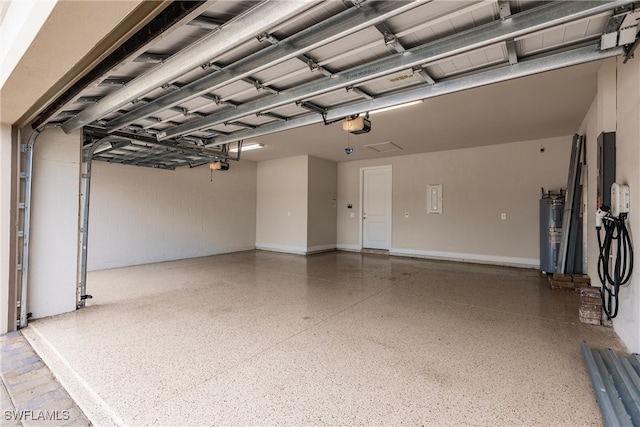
(54, 223)
(478, 185)
(627, 323)
(295, 205)
(322, 208)
(616, 107)
(142, 215)
(5, 224)
(281, 216)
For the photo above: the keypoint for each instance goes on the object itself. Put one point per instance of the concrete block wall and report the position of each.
(142, 215)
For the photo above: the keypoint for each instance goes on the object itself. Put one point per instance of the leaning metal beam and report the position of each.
(498, 31)
(257, 20)
(341, 25)
(509, 72)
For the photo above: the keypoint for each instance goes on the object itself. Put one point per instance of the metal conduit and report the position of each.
(26, 237)
(616, 384)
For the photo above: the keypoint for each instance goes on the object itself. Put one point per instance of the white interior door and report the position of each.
(376, 208)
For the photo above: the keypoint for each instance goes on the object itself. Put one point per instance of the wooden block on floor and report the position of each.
(581, 278)
(559, 284)
(562, 277)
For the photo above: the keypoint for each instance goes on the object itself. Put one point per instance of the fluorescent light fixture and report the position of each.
(247, 147)
(393, 107)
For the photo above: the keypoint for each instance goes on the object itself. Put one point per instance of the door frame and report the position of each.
(361, 203)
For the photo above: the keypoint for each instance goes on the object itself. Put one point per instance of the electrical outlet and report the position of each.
(352, 214)
(503, 215)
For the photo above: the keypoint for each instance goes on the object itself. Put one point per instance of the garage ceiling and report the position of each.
(287, 74)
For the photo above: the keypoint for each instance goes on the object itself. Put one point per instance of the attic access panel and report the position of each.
(326, 60)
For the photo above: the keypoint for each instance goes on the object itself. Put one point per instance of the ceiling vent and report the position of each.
(384, 147)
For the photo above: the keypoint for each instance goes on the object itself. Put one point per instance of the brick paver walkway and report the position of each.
(30, 395)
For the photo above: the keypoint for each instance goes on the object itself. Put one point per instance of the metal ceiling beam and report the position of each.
(505, 9)
(338, 26)
(313, 65)
(206, 23)
(257, 20)
(169, 19)
(178, 145)
(272, 115)
(512, 52)
(422, 74)
(498, 31)
(152, 58)
(521, 69)
(255, 83)
(360, 92)
(390, 39)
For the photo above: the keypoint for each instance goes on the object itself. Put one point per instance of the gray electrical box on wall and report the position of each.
(606, 167)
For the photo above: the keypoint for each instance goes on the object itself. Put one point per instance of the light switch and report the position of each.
(503, 215)
(406, 214)
(352, 214)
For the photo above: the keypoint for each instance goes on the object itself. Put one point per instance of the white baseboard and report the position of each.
(298, 250)
(320, 248)
(533, 263)
(350, 248)
(106, 265)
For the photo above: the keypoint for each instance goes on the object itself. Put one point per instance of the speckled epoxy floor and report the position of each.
(260, 338)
